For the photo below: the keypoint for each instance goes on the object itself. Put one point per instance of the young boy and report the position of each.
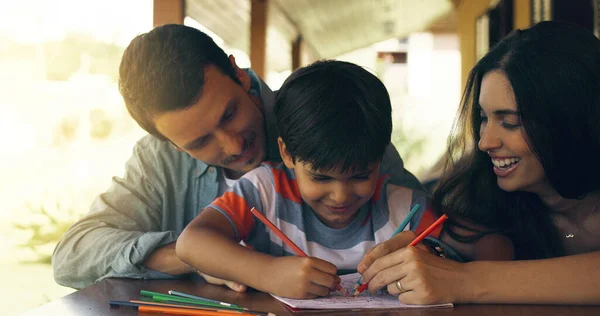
(335, 122)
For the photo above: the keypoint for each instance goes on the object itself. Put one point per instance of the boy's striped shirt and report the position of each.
(272, 189)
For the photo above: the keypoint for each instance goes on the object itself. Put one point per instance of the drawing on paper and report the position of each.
(365, 300)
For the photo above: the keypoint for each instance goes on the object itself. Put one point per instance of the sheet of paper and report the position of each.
(363, 301)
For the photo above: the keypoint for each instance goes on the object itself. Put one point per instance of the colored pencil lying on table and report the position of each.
(194, 297)
(400, 228)
(185, 311)
(416, 241)
(167, 298)
(286, 240)
(136, 303)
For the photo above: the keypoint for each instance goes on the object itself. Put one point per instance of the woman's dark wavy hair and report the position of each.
(554, 70)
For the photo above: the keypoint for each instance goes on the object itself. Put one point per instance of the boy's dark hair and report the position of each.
(335, 116)
(163, 70)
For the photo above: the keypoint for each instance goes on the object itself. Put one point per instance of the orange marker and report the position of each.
(186, 311)
(417, 240)
(285, 239)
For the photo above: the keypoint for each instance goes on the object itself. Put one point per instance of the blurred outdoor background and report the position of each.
(65, 131)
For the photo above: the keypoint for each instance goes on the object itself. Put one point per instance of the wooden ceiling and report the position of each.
(329, 27)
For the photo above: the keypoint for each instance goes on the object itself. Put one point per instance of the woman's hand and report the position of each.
(387, 247)
(424, 277)
(301, 277)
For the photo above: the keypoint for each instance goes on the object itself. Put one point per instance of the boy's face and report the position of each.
(334, 196)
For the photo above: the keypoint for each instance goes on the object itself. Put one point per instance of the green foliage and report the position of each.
(45, 233)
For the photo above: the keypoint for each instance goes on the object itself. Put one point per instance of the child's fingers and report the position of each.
(327, 280)
(324, 266)
(236, 286)
(211, 279)
(318, 290)
(230, 284)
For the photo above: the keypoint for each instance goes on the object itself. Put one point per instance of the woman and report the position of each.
(522, 163)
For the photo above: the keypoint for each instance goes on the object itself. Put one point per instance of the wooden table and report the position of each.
(94, 301)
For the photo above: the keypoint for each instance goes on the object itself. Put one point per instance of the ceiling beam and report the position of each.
(168, 12)
(259, 11)
(306, 44)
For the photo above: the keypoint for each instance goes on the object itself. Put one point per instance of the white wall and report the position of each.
(424, 92)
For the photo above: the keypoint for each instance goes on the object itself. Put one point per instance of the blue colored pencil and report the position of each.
(134, 303)
(194, 297)
(406, 220)
(400, 228)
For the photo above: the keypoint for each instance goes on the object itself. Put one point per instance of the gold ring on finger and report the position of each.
(400, 287)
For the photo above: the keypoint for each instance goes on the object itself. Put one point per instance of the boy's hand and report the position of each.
(301, 277)
(230, 284)
(395, 243)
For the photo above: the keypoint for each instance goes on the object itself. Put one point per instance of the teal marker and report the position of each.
(406, 220)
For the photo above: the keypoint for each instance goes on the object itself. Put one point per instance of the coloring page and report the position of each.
(336, 300)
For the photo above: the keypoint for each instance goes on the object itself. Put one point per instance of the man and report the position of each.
(209, 123)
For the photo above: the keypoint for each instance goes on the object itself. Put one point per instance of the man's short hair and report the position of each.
(163, 70)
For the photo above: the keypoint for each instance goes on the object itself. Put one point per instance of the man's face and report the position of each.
(225, 127)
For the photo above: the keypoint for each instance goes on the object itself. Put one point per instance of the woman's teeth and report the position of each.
(505, 163)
